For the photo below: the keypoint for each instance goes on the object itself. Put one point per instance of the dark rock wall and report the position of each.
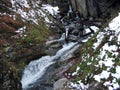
(93, 8)
(87, 8)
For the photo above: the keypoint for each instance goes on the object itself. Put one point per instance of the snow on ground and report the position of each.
(109, 62)
(113, 85)
(100, 37)
(30, 10)
(103, 75)
(79, 86)
(75, 73)
(52, 10)
(19, 32)
(107, 56)
(87, 30)
(23, 3)
(24, 9)
(94, 28)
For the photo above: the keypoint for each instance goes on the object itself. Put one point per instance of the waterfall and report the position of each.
(77, 16)
(70, 9)
(36, 69)
(70, 12)
(66, 32)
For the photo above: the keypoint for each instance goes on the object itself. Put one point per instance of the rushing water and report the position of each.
(37, 68)
(70, 11)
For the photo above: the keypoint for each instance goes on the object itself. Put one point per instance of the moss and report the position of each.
(36, 33)
(77, 79)
(59, 64)
(118, 80)
(113, 70)
(72, 69)
(13, 67)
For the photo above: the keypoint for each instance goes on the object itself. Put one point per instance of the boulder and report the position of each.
(61, 84)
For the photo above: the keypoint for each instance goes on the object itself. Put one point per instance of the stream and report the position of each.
(40, 70)
(34, 72)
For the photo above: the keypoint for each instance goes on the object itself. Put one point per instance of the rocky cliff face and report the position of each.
(89, 8)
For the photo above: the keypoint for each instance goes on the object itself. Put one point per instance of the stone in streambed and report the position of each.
(61, 84)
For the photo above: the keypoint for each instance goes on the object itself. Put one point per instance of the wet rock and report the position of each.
(61, 68)
(61, 84)
(52, 46)
(39, 87)
(73, 38)
(51, 50)
(75, 32)
(24, 52)
(72, 25)
(52, 42)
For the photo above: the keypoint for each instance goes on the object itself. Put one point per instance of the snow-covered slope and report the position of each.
(29, 10)
(100, 59)
(110, 55)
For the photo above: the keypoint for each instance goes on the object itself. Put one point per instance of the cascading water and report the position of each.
(70, 11)
(66, 32)
(35, 71)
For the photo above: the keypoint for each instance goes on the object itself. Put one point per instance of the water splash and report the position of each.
(70, 11)
(36, 69)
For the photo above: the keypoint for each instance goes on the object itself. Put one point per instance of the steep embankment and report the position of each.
(24, 27)
(99, 60)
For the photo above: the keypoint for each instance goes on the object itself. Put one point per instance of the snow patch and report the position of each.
(114, 26)
(117, 74)
(79, 86)
(103, 75)
(87, 30)
(31, 11)
(52, 10)
(99, 37)
(94, 28)
(75, 73)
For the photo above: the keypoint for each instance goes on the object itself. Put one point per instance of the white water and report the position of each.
(70, 9)
(67, 31)
(36, 69)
